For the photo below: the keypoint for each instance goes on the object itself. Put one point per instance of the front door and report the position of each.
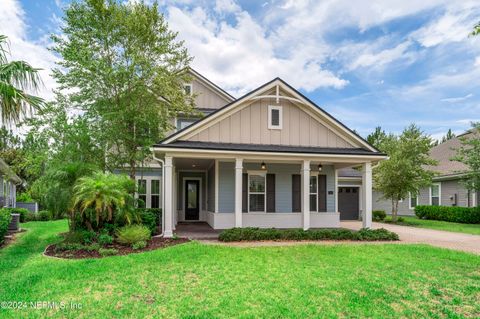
(192, 200)
(348, 205)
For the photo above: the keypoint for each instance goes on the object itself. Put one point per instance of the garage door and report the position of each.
(348, 203)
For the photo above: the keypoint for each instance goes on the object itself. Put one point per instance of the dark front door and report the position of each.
(348, 203)
(192, 200)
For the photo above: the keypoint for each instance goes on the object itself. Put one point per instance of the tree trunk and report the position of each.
(133, 170)
(394, 210)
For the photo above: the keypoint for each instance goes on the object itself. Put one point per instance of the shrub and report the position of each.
(104, 252)
(251, 234)
(31, 217)
(129, 235)
(44, 215)
(378, 215)
(105, 239)
(80, 237)
(5, 219)
(92, 247)
(139, 245)
(22, 211)
(24, 197)
(466, 215)
(150, 217)
(68, 246)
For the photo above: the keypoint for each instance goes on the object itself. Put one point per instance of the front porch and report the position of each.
(252, 191)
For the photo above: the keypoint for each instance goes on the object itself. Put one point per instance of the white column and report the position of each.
(367, 195)
(238, 191)
(306, 194)
(14, 195)
(167, 233)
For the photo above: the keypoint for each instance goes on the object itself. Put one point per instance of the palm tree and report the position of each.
(15, 78)
(103, 193)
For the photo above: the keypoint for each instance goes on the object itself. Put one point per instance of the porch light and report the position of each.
(320, 167)
(263, 165)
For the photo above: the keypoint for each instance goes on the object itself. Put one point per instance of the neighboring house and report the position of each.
(8, 185)
(446, 190)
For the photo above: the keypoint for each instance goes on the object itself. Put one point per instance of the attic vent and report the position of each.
(275, 117)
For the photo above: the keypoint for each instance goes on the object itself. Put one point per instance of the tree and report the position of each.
(125, 70)
(448, 136)
(469, 154)
(16, 78)
(404, 171)
(377, 137)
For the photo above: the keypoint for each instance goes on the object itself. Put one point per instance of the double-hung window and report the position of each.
(413, 200)
(435, 194)
(313, 192)
(256, 192)
(155, 193)
(142, 192)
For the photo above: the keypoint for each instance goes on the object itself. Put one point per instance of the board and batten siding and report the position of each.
(283, 185)
(206, 97)
(250, 126)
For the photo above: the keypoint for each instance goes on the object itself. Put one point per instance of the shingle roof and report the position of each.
(268, 148)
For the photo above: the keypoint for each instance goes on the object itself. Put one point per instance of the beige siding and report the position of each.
(250, 125)
(206, 97)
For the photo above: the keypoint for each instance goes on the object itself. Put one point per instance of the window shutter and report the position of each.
(322, 193)
(244, 193)
(296, 193)
(270, 193)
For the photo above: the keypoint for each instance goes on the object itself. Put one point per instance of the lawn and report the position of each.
(195, 280)
(473, 229)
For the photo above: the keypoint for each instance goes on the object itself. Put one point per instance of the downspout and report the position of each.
(163, 189)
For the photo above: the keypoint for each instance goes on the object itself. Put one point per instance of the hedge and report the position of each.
(465, 215)
(253, 234)
(5, 219)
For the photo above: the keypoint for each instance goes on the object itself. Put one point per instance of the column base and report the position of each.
(167, 234)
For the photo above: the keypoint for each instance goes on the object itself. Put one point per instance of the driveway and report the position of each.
(443, 239)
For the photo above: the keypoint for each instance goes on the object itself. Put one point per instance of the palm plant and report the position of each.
(15, 78)
(101, 193)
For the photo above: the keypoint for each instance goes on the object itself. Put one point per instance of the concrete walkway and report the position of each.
(438, 238)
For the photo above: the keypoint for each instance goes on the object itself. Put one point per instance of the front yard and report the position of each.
(198, 280)
(413, 221)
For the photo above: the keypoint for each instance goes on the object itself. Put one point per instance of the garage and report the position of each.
(348, 203)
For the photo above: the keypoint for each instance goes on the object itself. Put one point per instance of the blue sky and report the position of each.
(369, 63)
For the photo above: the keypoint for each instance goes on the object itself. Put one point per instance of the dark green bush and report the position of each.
(31, 217)
(466, 215)
(151, 218)
(105, 239)
(5, 219)
(44, 215)
(22, 211)
(80, 237)
(253, 234)
(378, 215)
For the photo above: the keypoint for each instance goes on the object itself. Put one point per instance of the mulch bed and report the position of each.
(154, 243)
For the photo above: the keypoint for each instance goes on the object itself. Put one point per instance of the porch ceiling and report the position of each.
(193, 163)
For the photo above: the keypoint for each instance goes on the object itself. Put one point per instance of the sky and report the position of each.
(368, 63)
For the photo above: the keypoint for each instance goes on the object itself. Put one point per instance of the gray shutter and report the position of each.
(270, 193)
(296, 193)
(244, 193)
(322, 193)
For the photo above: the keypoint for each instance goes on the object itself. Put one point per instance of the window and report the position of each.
(313, 193)
(154, 193)
(188, 89)
(275, 117)
(185, 122)
(413, 200)
(142, 192)
(435, 194)
(256, 192)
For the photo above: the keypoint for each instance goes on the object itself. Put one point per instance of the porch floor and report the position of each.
(197, 230)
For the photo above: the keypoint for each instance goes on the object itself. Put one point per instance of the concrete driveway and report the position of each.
(438, 238)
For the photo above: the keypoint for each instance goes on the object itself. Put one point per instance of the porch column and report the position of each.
(238, 191)
(167, 233)
(306, 194)
(367, 195)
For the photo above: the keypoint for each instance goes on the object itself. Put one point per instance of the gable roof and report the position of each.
(212, 85)
(6, 171)
(279, 83)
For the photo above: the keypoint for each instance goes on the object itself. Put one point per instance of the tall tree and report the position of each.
(448, 136)
(16, 79)
(376, 137)
(125, 69)
(404, 171)
(469, 154)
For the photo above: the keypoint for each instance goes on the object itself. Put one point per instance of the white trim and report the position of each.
(313, 174)
(410, 201)
(258, 173)
(200, 202)
(280, 117)
(336, 187)
(332, 124)
(148, 189)
(439, 194)
(216, 185)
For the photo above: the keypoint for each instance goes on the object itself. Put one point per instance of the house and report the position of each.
(8, 185)
(446, 190)
(267, 159)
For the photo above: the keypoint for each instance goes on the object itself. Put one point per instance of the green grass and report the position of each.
(473, 229)
(195, 280)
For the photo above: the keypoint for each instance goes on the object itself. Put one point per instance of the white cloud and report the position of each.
(457, 99)
(13, 25)
(381, 58)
